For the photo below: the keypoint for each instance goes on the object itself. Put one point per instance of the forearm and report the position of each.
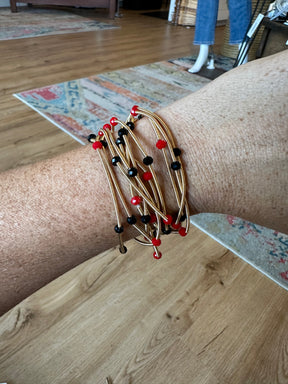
(237, 135)
(54, 217)
(58, 213)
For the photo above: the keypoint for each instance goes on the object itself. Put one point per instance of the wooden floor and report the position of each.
(26, 137)
(202, 317)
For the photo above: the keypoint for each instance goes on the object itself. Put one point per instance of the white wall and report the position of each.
(6, 3)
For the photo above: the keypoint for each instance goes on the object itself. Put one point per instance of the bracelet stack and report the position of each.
(146, 209)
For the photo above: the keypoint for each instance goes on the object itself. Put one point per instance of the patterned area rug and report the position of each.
(84, 105)
(263, 248)
(33, 22)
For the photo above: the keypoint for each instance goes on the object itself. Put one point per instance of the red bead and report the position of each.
(97, 145)
(113, 121)
(176, 226)
(101, 133)
(157, 257)
(169, 220)
(147, 176)
(136, 200)
(134, 110)
(107, 126)
(153, 218)
(161, 144)
(156, 242)
(182, 231)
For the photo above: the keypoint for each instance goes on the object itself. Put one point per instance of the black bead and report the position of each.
(183, 217)
(120, 141)
(175, 165)
(132, 172)
(177, 151)
(131, 219)
(123, 249)
(131, 125)
(140, 117)
(145, 219)
(115, 160)
(122, 132)
(91, 138)
(148, 160)
(118, 229)
(104, 143)
(166, 231)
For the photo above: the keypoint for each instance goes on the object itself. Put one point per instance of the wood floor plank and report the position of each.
(204, 317)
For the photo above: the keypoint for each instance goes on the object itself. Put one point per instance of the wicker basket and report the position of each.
(185, 12)
(232, 50)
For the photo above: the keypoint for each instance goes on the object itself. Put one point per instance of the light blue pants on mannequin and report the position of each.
(206, 17)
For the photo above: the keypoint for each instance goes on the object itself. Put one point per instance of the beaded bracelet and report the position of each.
(119, 160)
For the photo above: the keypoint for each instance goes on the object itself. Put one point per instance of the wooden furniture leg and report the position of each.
(13, 6)
(112, 9)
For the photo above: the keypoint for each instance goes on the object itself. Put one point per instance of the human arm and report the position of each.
(233, 134)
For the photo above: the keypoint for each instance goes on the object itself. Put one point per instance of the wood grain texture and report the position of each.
(25, 64)
(200, 315)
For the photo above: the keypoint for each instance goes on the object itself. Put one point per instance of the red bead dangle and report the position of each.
(161, 144)
(136, 200)
(176, 226)
(157, 257)
(97, 145)
(169, 220)
(147, 176)
(156, 242)
(107, 126)
(134, 110)
(182, 232)
(113, 121)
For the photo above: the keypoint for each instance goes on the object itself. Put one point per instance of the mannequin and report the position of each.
(206, 18)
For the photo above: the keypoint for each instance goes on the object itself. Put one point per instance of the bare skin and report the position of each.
(233, 134)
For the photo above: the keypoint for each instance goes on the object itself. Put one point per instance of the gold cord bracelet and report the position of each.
(119, 160)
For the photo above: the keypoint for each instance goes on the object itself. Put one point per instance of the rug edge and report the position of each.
(197, 225)
(47, 118)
